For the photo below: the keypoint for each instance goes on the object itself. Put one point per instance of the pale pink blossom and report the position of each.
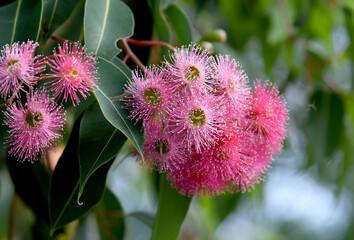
(147, 95)
(34, 126)
(197, 121)
(162, 150)
(189, 70)
(19, 67)
(230, 82)
(74, 72)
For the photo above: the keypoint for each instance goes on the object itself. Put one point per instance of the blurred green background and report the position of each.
(306, 47)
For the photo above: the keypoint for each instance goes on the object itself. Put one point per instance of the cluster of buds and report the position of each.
(36, 122)
(203, 125)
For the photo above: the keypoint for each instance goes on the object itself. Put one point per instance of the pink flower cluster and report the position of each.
(36, 124)
(203, 125)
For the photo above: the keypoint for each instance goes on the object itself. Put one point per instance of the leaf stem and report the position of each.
(131, 54)
(149, 43)
(59, 39)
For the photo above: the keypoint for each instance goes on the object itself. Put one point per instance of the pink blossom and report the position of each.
(189, 69)
(230, 82)
(197, 121)
(148, 95)
(256, 159)
(73, 71)
(214, 134)
(196, 176)
(19, 66)
(268, 115)
(162, 150)
(34, 127)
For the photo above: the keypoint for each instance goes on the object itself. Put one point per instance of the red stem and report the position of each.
(131, 54)
(148, 43)
(126, 57)
(59, 39)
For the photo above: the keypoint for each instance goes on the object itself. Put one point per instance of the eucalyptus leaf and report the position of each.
(180, 24)
(105, 22)
(20, 21)
(325, 127)
(108, 94)
(172, 210)
(71, 29)
(31, 182)
(99, 143)
(110, 217)
(55, 13)
(122, 66)
(65, 186)
(160, 24)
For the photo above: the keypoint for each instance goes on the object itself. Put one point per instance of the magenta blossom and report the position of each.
(268, 115)
(162, 150)
(230, 82)
(19, 66)
(203, 125)
(189, 69)
(148, 95)
(34, 127)
(197, 122)
(73, 71)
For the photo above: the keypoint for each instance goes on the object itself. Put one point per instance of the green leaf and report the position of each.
(146, 218)
(111, 85)
(320, 22)
(105, 22)
(110, 217)
(122, 66)
(55, 13)
(349, 20)
(160, 27)
(99, 143)
(167, 3)
(65, 185)
(71, 29)
(20, 21)
(325, 126)
(171, 212)
(31, 182)
(180, 24)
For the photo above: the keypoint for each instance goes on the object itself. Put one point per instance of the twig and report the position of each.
(132, 55)
(149, 43)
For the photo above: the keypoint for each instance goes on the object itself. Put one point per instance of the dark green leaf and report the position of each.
(171, 212)
(325, 126)
(110, 217)
(31, 182)
(99, 143)
(105, 22)
(160, 24)
(180, 24)
(71, 29)
(20, 21)
(65, 185)
(55, 13)
(111, 85)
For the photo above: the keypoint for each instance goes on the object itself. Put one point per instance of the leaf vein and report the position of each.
(15, 21)
(103, 26)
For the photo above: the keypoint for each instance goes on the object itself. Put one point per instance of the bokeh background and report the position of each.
(305, 47)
